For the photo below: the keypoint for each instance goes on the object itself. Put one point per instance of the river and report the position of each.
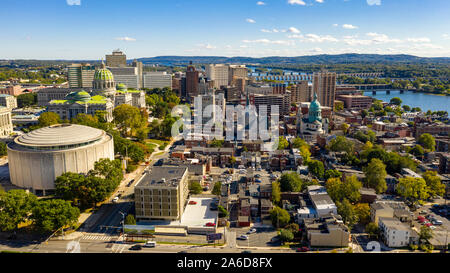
(424, 101)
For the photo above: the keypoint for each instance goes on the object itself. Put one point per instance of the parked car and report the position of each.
(302, 249)
(242, 237)
(136, 247)
(210, 224)
(433, 227)
(115, 199)
(423, 212)
(252, 230)
(428, 224)
(436, 222)
(192, 203)
(150, 244)
(246, 252)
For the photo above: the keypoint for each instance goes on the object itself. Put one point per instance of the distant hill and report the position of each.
(314, 59)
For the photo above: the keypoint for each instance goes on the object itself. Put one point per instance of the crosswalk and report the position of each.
(98, 237)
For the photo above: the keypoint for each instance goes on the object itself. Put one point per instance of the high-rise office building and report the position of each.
(324, 85)
(140, 71)
(80, 75)
(126, 75)
(116, 59)
(192, 76)
(218, 73)
(157, 80)
(301, 92)
(282, 100)
(237, 72)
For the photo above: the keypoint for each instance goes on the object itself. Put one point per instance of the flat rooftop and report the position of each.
(199, 214)
(162, 176)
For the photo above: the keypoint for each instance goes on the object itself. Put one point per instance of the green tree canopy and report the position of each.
(50, 215)
(434, 185)
(348, 213)
(15, 208)
(276, 192)
(413, 189)
(396, 101)
(280, 217)
(130, 220)
(427, 141)
(316, 168)
(217, 189)
(286, 235)
(376, 174)
(195, 188)
(48, 118)
(290, 182)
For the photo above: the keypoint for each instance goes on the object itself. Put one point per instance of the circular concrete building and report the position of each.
(37, 158)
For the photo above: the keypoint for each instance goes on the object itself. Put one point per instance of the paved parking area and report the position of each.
(440, 233)
(259, 239)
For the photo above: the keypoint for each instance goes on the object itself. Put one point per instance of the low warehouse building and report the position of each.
(36, 159)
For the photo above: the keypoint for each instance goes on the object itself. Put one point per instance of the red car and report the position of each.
(428, 224)
(303, 249)
(210, 224)
(192, 203)
(420, 218)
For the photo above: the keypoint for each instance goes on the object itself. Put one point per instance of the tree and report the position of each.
(110, 170)
(217, 189)
(434, 185)
(293, 227)
(51, 215)
(48, 118)
(217, 143)
(15, 207)
(280, 217)
(316, 168)
(406, 108)
(195, 188)
(130, 220)
(128, 118)
(3, 149)
(283, 143)
(346, 210)
(425, 233)
(332, 174)
(373, 230)
(26, 100)
(412, 188)
(375, 174)
(339, 190)
(286, 235)
(222, 212)
(417, 151)
(290, 182)
(363, 212)
(276, 192)
(341, 144)
(396, 101)
(344, 128)
(427, 141)
(300, 144)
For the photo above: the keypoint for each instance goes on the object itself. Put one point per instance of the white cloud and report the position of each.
(73, 2)
(251, 21)
(374, 2)
(348, 26)
(295, 36)
(314, 38)
(293, 30)
(297, 2)
(272, 30)
(127, 39)
(382, 38)
(319, 1)
(267, 41)
(260, 3)
(335, 25)
(419, 40)
(206, 46)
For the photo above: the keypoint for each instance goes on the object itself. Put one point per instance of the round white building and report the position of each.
(36, 159)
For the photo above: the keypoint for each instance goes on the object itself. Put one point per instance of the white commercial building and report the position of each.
(157, 80)
(218, 73)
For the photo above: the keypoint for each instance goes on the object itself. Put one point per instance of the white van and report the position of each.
(150, 244)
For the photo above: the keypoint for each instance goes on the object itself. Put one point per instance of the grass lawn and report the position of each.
(157, 142)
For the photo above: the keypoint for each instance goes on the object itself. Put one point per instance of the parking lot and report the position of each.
(440, 232)
(261, 238)
(198, 214)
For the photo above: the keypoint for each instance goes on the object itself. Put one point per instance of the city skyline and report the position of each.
(86, 29)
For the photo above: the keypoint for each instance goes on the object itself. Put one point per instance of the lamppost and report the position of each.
(123, 224)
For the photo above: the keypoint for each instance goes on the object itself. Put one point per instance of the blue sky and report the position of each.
(88, 29)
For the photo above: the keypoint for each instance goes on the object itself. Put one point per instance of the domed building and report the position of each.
(81, 102)
(103, 83)
(311, 125)
(36, 159)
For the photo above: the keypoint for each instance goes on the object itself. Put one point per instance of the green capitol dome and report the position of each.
(79, 96)
(121, 87)
(315, 111)
(103, 74)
